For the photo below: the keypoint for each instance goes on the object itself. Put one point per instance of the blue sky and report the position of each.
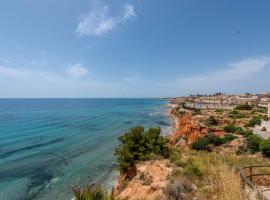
(139, 48)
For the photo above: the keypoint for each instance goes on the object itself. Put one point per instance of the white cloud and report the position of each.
(99, 22)
(236, 71)
(129, 12)
(244, 74)
(77, 70)
(132, 78)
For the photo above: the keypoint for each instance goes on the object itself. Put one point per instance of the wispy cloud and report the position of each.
(77, 70)
(8, 72)
(241, 74)
(235, 71)
(27, 82)
(132, 78)
(99, 21)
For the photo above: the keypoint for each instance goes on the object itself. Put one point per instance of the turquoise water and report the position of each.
(48, 145)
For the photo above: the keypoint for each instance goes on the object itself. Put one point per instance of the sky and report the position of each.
(133, 48)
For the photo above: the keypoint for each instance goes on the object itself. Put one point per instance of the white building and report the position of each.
(263, 130)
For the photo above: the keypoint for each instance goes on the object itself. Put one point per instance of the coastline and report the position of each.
(174, 120)
(110, 178)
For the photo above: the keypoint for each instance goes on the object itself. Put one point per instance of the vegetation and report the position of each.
(138, 145)
(254, 121)
(261, 110)
(219, 111)
(236, 115)
(92, 192)
(213, 175)
(230, 128)
(196, 112)
(212, 121)
(265, 147)
(244, 107)
(205, 142)
(254, 142)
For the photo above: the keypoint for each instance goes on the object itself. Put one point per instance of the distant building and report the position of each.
(268, 112)
(212, 102)
(247, 99)
(263, 130)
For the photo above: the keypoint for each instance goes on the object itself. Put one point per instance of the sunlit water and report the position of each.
(48, 145)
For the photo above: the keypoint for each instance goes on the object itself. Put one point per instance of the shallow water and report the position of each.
(48, 145)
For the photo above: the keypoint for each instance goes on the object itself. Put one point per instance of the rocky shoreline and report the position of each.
(160, 178)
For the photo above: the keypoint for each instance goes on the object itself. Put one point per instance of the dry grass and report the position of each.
(228, 185)
(214, 175)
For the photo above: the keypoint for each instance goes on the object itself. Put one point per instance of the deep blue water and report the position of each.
(48, 145)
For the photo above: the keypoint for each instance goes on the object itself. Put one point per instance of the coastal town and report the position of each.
(220, 102)
(219, 149)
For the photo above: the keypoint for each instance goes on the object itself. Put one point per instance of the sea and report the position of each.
(48, 146)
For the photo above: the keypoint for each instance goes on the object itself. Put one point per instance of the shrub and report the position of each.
(236, 115)
(254, 121)
(241, 150)
(261, 110)
(204, 142)
(212, 121)
(92, 192)
(247, 133)
(219, 110)
(195, 167)
(227, 138)
(176, 158)
(230, 128)
(244, 107)
(253, 143)
(265, 148)
(138, 145)
(200, 144)
(196, 112)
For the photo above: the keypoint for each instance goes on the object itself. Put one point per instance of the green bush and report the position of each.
(254, 142)
(261, 110)
(247, 133)
(236, 115)
(254, 121)
(230, 128)
(265, 148)
(138, 145)
(244, 107)
(204, 142)
(227, 138)
(219, 111)
(212, 121)
(200, 144)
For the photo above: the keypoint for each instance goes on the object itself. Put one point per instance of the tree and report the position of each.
(138, 145)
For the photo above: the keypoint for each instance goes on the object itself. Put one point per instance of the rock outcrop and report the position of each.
(150, 181)
(187, 128)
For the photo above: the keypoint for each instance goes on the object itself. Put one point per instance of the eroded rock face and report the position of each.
(188, 129)
(149, 182)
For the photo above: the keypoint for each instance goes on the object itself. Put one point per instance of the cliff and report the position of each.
(187, 128)
(150, 181)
